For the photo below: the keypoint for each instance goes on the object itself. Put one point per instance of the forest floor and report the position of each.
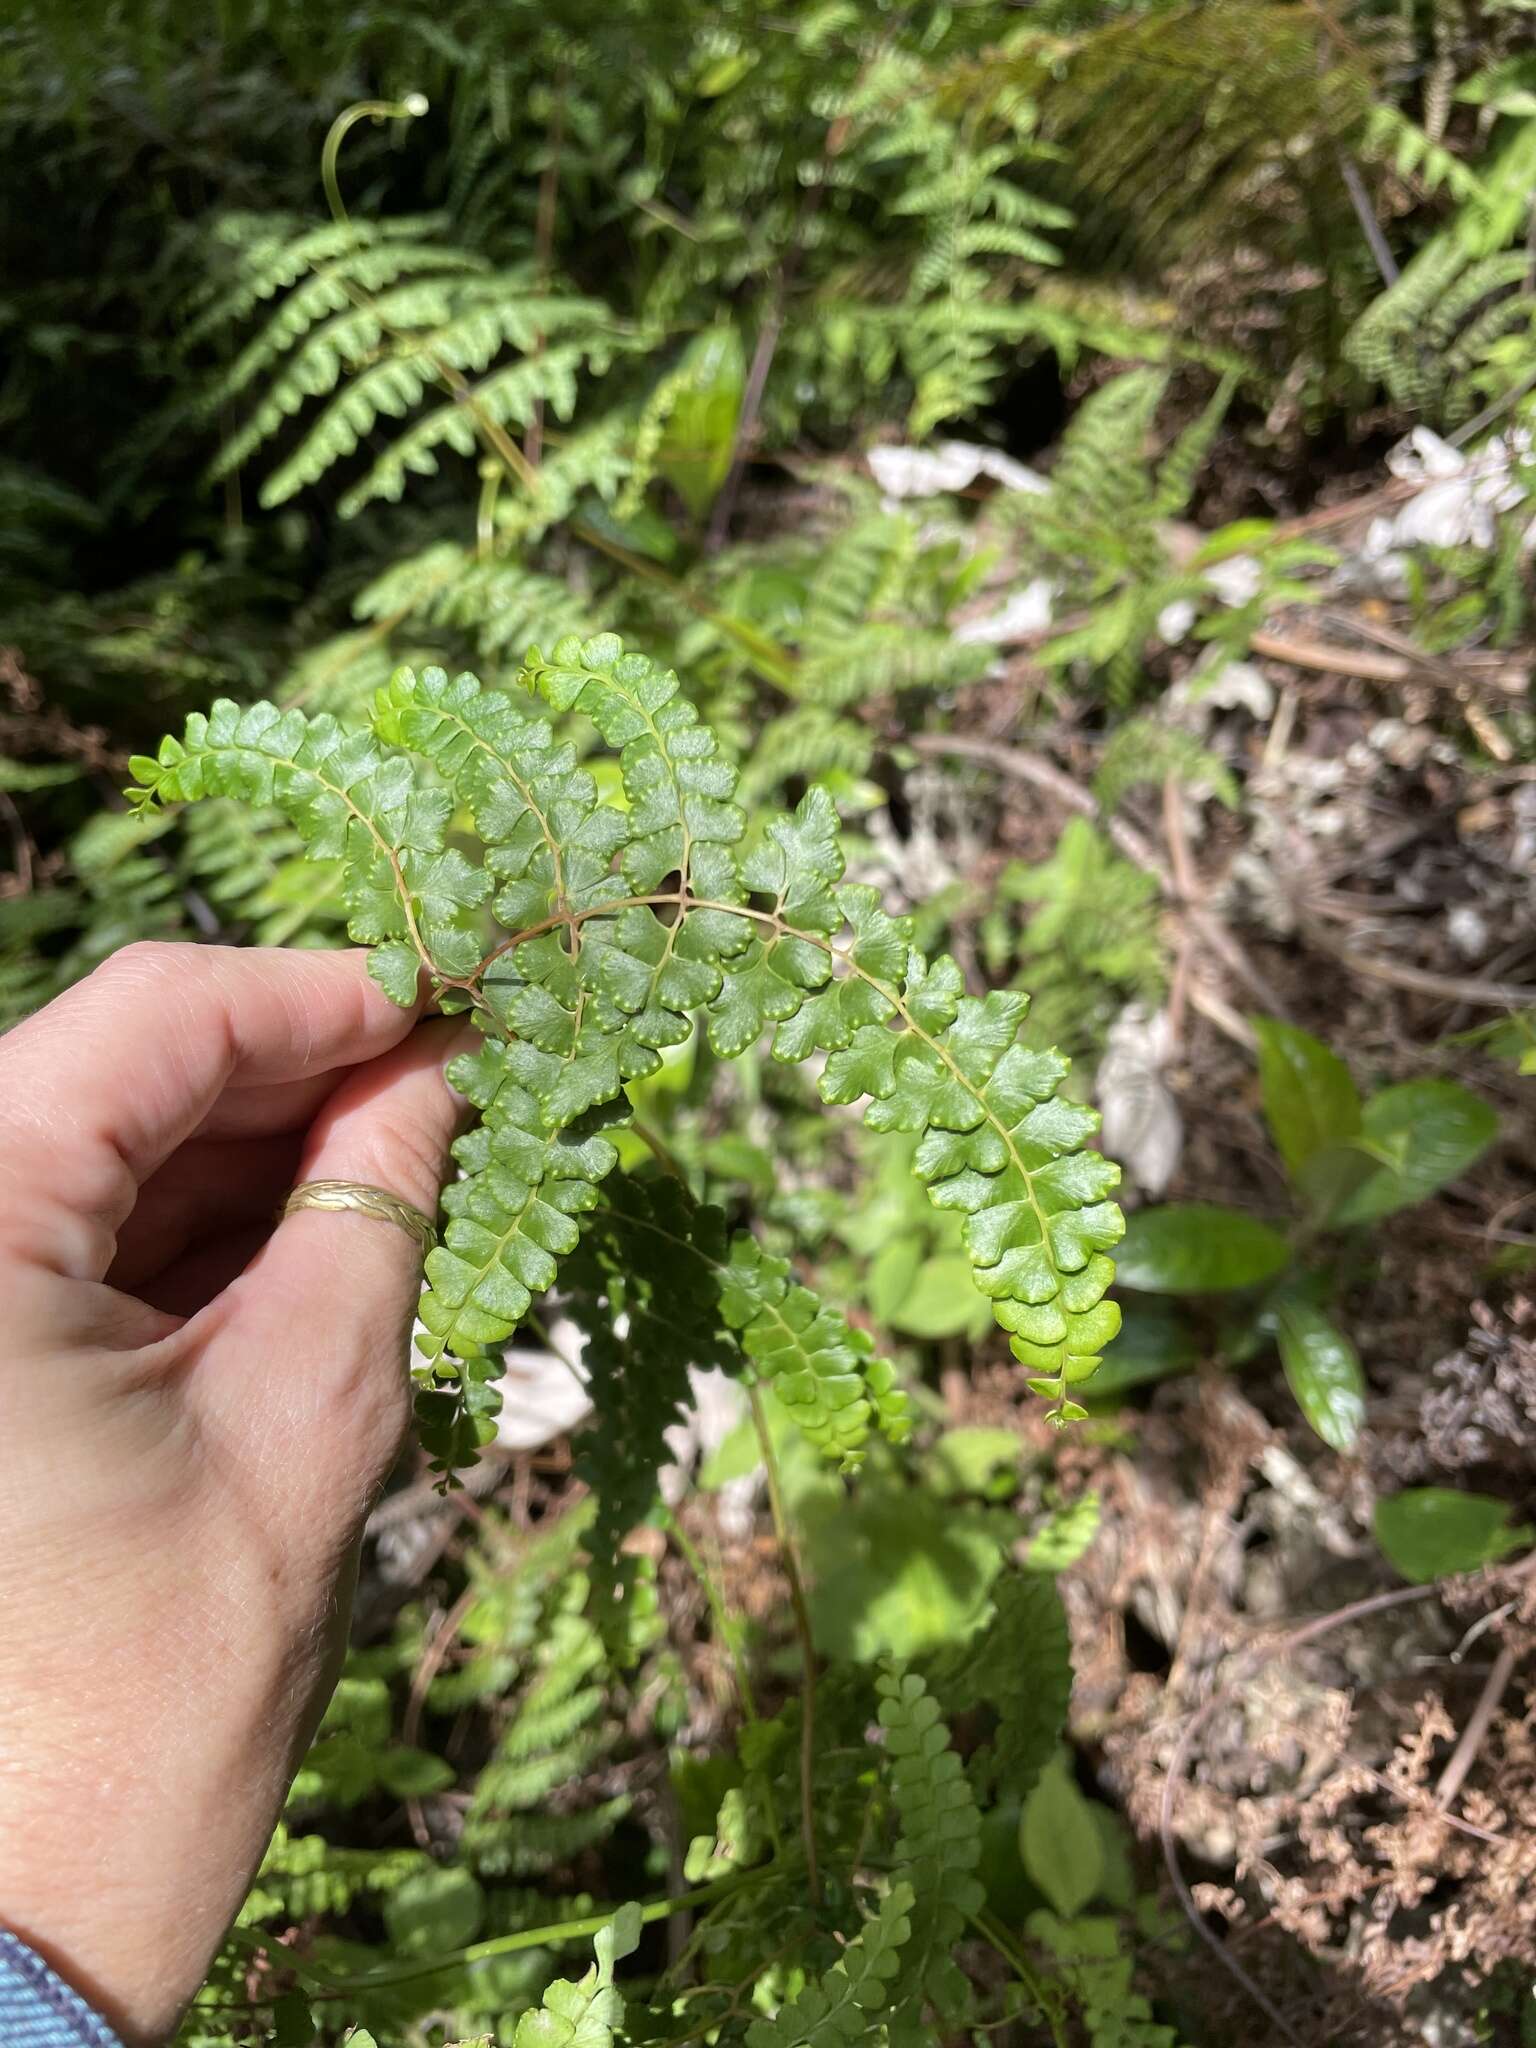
(1319, 1764)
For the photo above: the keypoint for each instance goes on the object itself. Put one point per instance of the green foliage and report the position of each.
(1310, 1101)
(1144, 752)
(1199, 1248)
(1018, 1666)
(832, 2010)
(1350, 1163)
(1456, 332)
(1430, 1532)
(769, 939)
(586, 2014)
(1059, 1842)
(939, 1848)
(1090, 942)
(1100, 533)
(1322, 1369)
(568, 360)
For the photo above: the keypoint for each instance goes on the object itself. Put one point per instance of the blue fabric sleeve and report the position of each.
(38, 2009)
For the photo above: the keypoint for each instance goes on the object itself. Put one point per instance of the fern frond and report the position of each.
(647, 1320)
(1019, 1665)
(302, 1876)
(808, 742)
(838, 2007)
(251, 866)
(272, 252)
(1441, 338)
(939, 1850)
(587, 2014)
(1146, 751)
(1390, 137)
(603, 967)
(823, 1371)
(510, 396)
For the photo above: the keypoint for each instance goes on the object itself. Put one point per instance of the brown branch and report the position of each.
(1334, 661)
(1045, 775)
(1448, 988)
(1464, 1756)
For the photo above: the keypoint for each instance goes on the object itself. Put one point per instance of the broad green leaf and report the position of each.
(1309, 1099)
(939, 1299)
(1155, 1343)
(1430, 1532)
(620, 1938)
(897, 1573)
(1059, 1840)
(25, 776)
(1198, 1248)
(1330, 1177)
(414, 1773)
(700, 433)
(1323, 1371)
(1422, 1134)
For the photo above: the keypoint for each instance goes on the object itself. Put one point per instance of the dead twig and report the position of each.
(1464, 1755)
(1447, 988)
(431, 1663)
(1188, 889)
(1335, 661)
(1045, 775)
(21, 844)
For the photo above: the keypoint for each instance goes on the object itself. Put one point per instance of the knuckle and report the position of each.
(144, 959)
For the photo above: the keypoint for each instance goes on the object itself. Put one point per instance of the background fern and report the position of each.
(610, 333)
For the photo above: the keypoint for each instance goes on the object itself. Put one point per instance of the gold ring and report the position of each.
(364, 1200)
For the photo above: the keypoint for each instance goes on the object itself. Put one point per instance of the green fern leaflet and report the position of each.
(590, 935)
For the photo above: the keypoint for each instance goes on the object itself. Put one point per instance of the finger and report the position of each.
(203, 1272)
(201, 1192)
(268, 1108)
(315, 1332)
(99, 1088)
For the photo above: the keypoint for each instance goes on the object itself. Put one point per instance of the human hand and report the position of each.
(196, 1409)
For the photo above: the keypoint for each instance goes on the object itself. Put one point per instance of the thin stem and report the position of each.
(1464, 1756)
(802, 1614)
(411, 108)
(536, 1937)
(997, 1936)
(660, 1151)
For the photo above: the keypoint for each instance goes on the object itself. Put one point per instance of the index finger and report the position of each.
(99, 1088)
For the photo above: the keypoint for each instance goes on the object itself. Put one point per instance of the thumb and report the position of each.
(316, 1335)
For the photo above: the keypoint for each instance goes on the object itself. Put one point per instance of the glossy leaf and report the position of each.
(1198, 1248)
(1423, 1134)
(1429, 1532)
(1309, 1099)
(1156, 1342)
(700, 433)
(932, 1297)
(1323, 1371)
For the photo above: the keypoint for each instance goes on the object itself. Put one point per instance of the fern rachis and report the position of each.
(626, 924)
